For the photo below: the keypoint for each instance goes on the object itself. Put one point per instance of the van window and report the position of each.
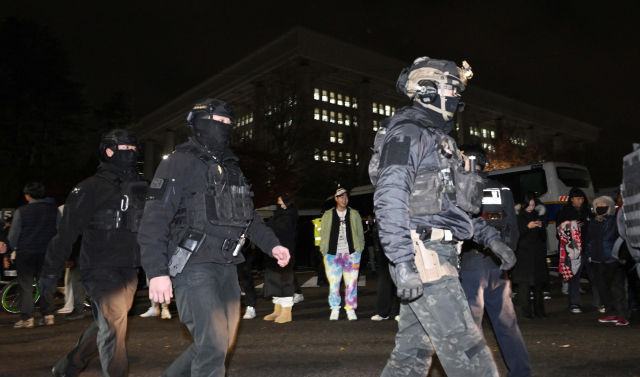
(572, 177)
(522, 181)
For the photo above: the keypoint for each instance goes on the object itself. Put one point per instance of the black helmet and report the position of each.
(211, 106)
(118, 137)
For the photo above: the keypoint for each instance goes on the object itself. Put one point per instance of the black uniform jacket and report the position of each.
(101, 248)
(183, 174)
(412, 147)
(474, 256)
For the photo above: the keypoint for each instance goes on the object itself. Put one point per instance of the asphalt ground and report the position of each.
(567, 344)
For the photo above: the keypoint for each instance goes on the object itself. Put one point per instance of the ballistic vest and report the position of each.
(124, 211)
(437, 176)
(226, 200)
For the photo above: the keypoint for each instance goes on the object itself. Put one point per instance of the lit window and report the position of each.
(316, 155)
(333, 156)
(324, 96)
(355, 121)
(325, 157)
(387, 110)
(355, 103)
(346, 101)
(493, 134)
(393, 110)
(340, 157)
(348, 158)
(269, 112)
(316, 114)
(340, 118)
(250, 134)
(332, 98)
(340, 99)
(250, 117)
(457, 127)
(375, 108)
(484, 132)
(375, 125)
(332, 137)
(340, 139)
(316, 94)
(346, 120)
(325, 118)
(332, 117)
(380, 109)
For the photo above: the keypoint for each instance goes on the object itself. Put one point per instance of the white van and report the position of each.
(551, 182)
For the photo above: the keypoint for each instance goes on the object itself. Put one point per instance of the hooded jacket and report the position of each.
(603, 233)
(409, 148)
(571, 213)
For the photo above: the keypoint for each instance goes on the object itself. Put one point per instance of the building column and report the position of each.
(169, 143)
(149, 167)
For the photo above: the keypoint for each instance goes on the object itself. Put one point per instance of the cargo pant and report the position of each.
(439, 322)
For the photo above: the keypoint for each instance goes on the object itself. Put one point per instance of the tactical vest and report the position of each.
(125, 211)
(630, 191)
(446, 176)
(226, 200)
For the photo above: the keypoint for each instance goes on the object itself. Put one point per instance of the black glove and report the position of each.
(48, 284)
(408, 281)
(505, 254)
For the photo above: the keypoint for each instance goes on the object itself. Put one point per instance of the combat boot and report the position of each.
(285, 315)
(277, 309)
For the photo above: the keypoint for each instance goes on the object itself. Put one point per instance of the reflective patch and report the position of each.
(75, 198)
(76, 190)
(491, 196)
(396, 152)
(156, 183)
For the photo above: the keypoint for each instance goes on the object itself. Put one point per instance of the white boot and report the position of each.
(351, 314)
(335, 313)
(166, 314)
(250, 313)
(152, 312)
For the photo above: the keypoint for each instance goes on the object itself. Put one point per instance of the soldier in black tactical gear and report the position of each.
(198, 213)
(423, 201)
(485, 284)
(106, 209)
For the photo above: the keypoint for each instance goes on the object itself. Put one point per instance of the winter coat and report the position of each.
(603, 233)
(571, 213)
(284, 224)
(531, 267)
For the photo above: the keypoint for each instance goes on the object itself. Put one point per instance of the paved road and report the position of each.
(565, 345)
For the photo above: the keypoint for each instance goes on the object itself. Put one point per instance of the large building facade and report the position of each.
(318, 100)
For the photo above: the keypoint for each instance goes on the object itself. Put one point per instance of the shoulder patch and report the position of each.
(396, 151)
(76, 190)
(156, 183)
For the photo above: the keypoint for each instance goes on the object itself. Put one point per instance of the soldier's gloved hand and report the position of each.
(505, 254)
(48, 284)
(408, 281)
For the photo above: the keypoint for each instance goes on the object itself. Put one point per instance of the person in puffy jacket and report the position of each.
(608, 271)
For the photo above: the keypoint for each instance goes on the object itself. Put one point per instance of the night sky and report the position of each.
(576, 58)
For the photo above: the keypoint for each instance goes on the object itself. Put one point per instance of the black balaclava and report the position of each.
(208, 132)
(438, 120)
(124, 159)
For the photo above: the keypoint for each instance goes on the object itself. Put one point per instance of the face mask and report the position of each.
(211, 133)
(436, 117)
(601, 211)
(124, 159)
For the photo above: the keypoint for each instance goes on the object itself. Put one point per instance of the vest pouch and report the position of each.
(242, 203)
(219, 208)
(426, 195)
(469, 190)
(134, 216)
